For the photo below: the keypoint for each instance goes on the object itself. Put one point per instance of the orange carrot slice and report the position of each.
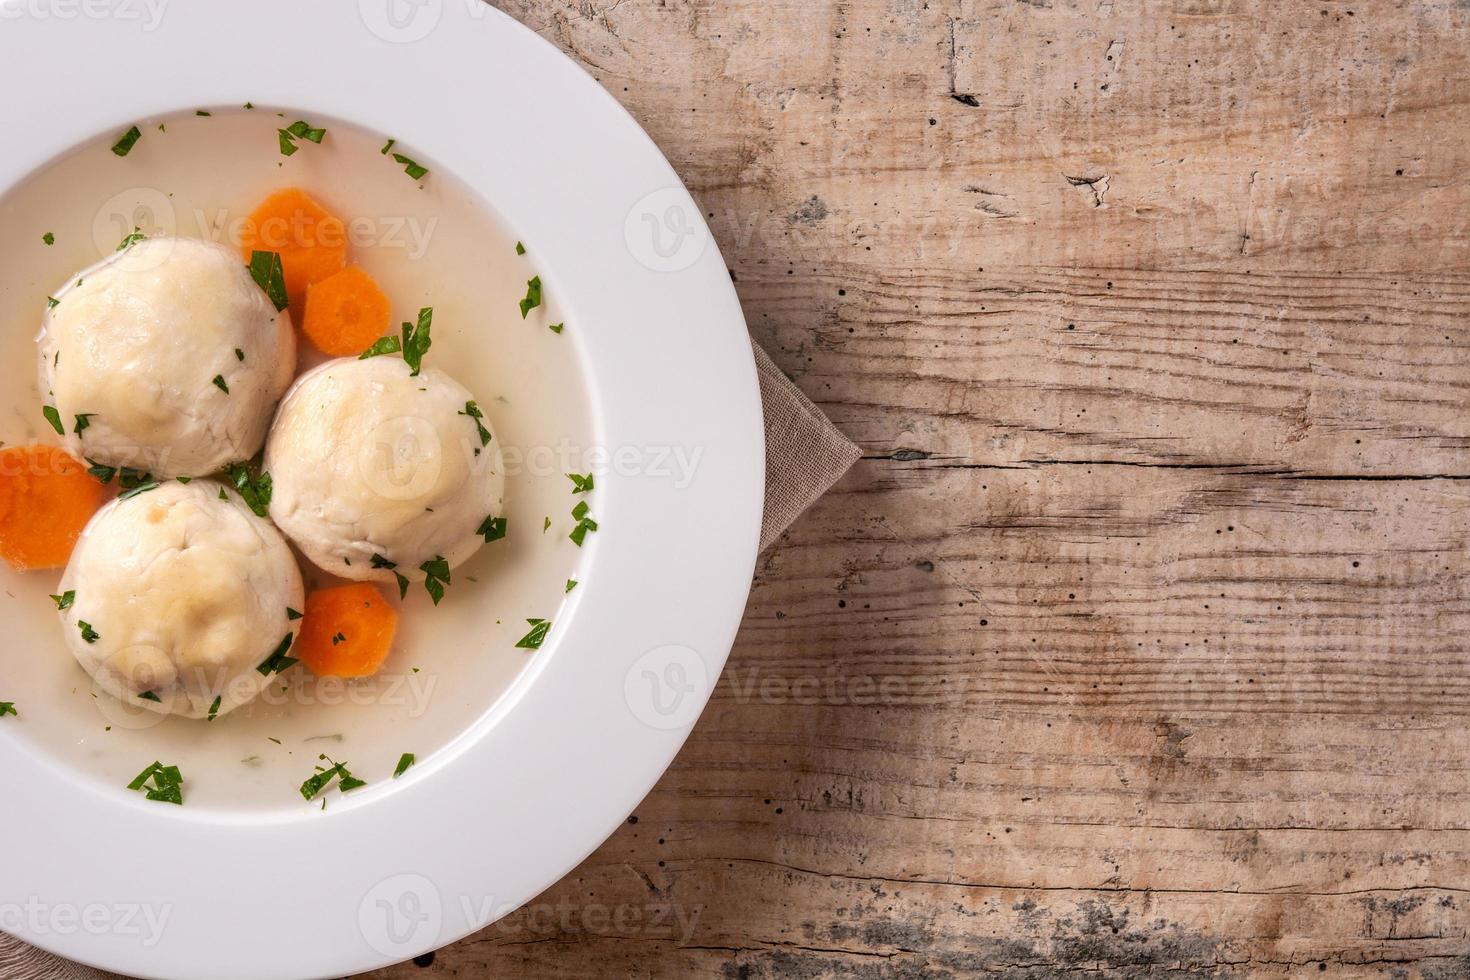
(346, 313)
(311, 242)
(346, 631)
(46, 498)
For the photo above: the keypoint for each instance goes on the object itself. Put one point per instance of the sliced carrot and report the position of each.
(346, 631)
(346, 313)
(311, 241)
(46, 498)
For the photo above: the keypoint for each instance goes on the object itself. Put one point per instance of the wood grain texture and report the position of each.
(1136, 645)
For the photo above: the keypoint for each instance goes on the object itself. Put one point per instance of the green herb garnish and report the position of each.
(167, 783)
(84, 421)
(582, 484)
(54, 417)
(125, 145)
(52, 303)
(298, 130)
(493, 528)
(150, 696)
(201, 112)
(384, 345)
(584, 523)
(254, 490)
(8, 708)
(323, 778)
(388, 146)
(292, 614)
(537, 636)
(65, 600)
(416, 341)
(239, 354)
(278, 660)
(266, 270)
(533, 296)
(404, 762)
(49, 238)
(520, 249)
(140, 488)
(436, 577)
(473, 411)
(88, 633)
(557, 327)
(219, 382)
(411, 168)
(571, 584)
(214, 706)
(380, 562)
(133, 239)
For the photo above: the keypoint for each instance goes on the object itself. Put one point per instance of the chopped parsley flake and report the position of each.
(214, 706)
(201, 112)
(571, 584)
(125, 145)
(8, 708)
(324, 776)
(269, 275)
(338, 638)
(219, 382)
(436, 577)
(150, 696)
(387, 147)
(520, 249)
(473, 411)
(167, 783)
(584, 524)
(52, 303)
(582, 484)
(239, 354)
(278, 660)
(546, 526)
(298, 130)
(493, 528)
(140, 488)
(416, 340)
(411, 168)
(404, 762)
(54, 417)
(384, 345)
(254, 490)
(533, 297)
(84, 421)
(49, 238)
(537, 636)
(380, 562)
(65, 600)
(88, 633)
(133, 239)
(557, 327)
(292, 614)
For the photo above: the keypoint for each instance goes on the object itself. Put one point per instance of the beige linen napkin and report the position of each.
(805, 455)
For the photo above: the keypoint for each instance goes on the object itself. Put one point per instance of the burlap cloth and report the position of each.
(805, 455)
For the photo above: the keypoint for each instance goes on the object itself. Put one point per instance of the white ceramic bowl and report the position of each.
(551, 770)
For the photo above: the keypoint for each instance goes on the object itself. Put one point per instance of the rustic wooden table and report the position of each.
(1137, 643)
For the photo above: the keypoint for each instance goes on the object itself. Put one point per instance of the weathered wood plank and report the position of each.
(1136, 646)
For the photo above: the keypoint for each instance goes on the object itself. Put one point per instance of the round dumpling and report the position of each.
(166, 358)
(377, 472)
(178, 596)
